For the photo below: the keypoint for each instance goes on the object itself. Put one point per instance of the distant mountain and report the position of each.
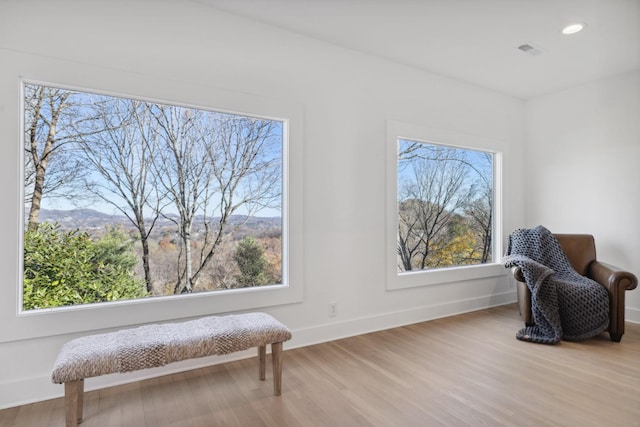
(88, 219)
(81, 218)
(75, 214)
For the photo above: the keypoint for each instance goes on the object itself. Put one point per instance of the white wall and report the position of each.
(182, 53)
(583, 152)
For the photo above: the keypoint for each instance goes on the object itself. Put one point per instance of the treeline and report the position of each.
(69, 267)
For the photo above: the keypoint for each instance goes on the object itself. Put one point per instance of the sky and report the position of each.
(271, 149)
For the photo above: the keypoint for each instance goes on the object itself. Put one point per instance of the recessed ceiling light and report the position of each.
(573, 28)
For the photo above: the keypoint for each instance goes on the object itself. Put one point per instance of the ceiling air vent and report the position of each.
(528, 49)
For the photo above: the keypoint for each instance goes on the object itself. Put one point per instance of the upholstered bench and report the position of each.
(160, 344)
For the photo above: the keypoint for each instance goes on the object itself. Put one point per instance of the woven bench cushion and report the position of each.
(156, 345)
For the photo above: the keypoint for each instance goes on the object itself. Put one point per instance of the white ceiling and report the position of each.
(471, 40)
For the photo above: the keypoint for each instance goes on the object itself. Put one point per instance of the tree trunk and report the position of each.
(186, 241)
(144, 240)
(36, 199)
(41, 161)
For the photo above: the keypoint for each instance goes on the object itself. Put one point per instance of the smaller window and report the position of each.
(445, 206)
(442, 210)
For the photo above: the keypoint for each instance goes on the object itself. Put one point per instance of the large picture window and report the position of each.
(127, 199)
(442, 207)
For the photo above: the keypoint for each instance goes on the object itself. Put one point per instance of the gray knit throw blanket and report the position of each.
(564, 304)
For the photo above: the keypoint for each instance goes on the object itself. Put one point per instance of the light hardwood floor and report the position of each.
(466, 370)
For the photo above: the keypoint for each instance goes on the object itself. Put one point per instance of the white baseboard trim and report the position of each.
(352, 327)
(39, 388)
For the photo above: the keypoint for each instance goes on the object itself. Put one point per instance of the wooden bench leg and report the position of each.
(276, 359)
(73, 401)
(262, 357)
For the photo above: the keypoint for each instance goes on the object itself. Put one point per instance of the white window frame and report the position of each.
(402, 131)
(19, 324)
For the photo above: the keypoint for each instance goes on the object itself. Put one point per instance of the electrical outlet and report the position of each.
(333, 309)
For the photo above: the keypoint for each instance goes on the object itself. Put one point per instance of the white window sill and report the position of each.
(414, 279)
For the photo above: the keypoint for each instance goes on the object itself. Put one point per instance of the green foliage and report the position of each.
(252, 263)
(67, 268)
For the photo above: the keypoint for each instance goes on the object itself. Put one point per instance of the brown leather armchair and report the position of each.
(581, 252)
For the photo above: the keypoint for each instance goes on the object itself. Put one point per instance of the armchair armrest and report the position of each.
(517, 273)
(612, 277)
(617, 282)
(524, 296)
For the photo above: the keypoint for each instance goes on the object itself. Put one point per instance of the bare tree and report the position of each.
(479, 207)
(409, 241)
(212, 165)
(184, 173)
(223, 269)
(433, 191)
(121, 147)
(247, 168)
(49, 136)
(480, 210)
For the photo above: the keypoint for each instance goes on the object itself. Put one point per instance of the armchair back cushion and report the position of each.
(580, 249)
